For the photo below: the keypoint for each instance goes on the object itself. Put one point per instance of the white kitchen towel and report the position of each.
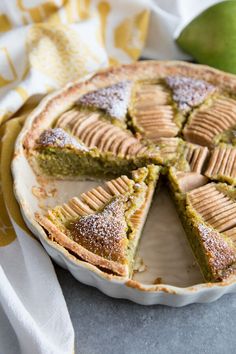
(33, 315)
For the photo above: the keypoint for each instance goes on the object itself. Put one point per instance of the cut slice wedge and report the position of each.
(84, 144)
(214, 251)
(103, 226)
(208, 217)
(210, 223)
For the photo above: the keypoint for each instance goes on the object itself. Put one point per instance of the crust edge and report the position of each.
(82, 252)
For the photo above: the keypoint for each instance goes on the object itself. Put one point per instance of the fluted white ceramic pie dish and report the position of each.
(166, 272)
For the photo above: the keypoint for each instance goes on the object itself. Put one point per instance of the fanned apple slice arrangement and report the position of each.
(131, 127)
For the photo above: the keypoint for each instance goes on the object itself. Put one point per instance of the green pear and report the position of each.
(211, 37)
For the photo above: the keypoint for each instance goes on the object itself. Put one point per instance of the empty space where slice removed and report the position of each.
(164, 249)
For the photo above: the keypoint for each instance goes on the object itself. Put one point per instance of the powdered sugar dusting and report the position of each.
(221, 255)
(113, 99)
(189, 92)
(58, 137)
(102, 232)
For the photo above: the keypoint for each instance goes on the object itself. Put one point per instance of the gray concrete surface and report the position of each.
(109, 326)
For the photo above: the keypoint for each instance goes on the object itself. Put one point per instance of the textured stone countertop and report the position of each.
(109, 326)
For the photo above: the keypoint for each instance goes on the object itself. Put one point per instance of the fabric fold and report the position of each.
(32, 299)
(30, 295)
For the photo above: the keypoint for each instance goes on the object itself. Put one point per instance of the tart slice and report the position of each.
(214, 251)
(103, 226)
(83, 143)
(210, 221)
(208, 215)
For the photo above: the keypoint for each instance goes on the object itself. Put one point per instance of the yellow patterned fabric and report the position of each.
(47, 43)
(43, 45)
(8, 134)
